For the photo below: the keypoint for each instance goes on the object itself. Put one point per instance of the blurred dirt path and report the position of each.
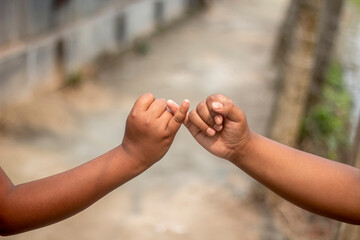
(189, 194)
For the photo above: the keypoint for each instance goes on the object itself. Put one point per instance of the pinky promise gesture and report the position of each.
(317, 184)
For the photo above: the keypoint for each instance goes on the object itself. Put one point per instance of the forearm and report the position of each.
(319, 185)
(45, 201)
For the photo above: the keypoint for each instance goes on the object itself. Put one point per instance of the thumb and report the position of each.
(180, 113)
(226, 107)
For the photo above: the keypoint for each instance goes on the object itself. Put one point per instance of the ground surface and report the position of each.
(189, 194)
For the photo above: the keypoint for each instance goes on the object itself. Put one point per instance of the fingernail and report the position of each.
(187, 102)
(171, 101)
(210, 132)
(217, 105)
(218, 120)
(218, 127)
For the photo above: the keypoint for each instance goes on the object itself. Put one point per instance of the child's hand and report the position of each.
(150, 129)
(219, 126)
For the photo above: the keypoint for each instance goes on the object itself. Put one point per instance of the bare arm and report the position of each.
(319, 185)
(49, 200)
(150, 130)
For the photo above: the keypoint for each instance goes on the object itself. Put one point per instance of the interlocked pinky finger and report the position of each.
(197, 121)
(204, 113)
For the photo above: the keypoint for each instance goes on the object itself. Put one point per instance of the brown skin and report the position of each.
(150, 130)
(317, 184)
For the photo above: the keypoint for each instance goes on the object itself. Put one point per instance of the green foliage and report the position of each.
(73, 79)
(325, 128)
(141, 46)
(356, 2)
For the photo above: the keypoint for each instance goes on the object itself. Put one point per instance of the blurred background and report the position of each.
(70, 71)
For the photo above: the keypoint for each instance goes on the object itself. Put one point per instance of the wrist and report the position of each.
(243, 152)
(132, 160)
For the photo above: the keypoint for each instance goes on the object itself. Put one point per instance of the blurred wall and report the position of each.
(39, 38)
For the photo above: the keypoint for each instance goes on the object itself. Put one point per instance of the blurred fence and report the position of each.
(39, 38)
(24, 19)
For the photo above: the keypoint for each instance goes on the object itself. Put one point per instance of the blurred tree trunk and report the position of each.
(286, 32)
(347, 231)
(302, 55)
(355, 153)
(329, 25)
(295, 71)
(295, 65)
